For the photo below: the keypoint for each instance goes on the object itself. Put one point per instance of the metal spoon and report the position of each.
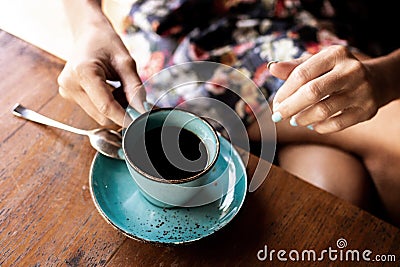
(106, 141)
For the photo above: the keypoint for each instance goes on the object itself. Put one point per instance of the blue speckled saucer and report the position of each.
(118, 200)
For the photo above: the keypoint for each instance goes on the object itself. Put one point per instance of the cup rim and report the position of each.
(178, 181)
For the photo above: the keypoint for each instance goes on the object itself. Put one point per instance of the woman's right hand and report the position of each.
(100, 55)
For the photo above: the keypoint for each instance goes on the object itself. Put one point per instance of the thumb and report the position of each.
(282, 69)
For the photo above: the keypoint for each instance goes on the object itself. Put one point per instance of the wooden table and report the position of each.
(47, 216)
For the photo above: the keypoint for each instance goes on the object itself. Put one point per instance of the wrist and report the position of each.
(384, 73)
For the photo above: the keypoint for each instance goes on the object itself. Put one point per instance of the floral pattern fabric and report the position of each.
(243, 34)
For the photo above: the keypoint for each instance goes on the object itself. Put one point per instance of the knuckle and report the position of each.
(313, 92)
(358, 65)
(356, 68)
(68, 87)
(336, 125)
(133, 90)
(301, 74)
(81, 67)
(339, 51)
(65, 78)
(84, 69)
(105, 107)
(369, 110)
(323, 111)
(63, 92)
(62, 80)
(126, 61)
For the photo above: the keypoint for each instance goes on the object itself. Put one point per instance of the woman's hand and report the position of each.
(329, 91)
(100, 55)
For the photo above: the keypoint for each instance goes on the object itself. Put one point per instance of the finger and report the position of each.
(310, 93)
(310, 69)
(80, 97)
(67, 82)
(65, 93)
(345, 119)
(282, 69)
(93, 82)
(133, 87)
(322, 110)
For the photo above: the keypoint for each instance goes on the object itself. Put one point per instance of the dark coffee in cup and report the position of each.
(170, 152)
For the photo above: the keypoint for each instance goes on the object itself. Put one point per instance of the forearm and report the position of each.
(385, 71)
(82, 14)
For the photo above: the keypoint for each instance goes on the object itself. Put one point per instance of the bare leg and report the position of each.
(331, 169)
(375, 142)
(318, 165)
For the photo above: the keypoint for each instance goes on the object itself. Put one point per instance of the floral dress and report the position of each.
(243, 34)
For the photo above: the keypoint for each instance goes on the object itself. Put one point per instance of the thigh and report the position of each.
(375, 142)
(382, 157)
(330, 169)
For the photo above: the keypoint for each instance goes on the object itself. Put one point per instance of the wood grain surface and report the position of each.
(47, 216)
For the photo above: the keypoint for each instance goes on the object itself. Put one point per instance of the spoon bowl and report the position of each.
(106, 141)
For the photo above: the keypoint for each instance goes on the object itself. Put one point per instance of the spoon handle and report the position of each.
(31, 115)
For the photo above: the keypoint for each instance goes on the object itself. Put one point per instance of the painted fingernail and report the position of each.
(271, 62)
(276, 117)
(293, 122)
(310, 127)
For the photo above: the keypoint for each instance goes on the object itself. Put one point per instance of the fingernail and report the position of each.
(310, 127)
(293, 122)
(276, 117)
(271, 62)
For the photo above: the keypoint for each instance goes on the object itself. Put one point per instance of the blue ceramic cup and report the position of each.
(157, 189)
